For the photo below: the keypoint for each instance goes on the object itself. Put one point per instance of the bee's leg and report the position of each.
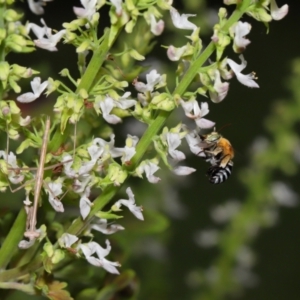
(225, 160)
(215, 152)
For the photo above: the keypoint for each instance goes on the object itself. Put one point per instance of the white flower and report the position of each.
(181, 21)
(55, 189)
(198, 114)
(109, 103)
(207, 238)
(130, 203)
(37, 6)
(67, 240)
(247, 80)
(156, 27)
(129, 150)
(88, 11)
(106, 149)
(102, 226)
(38, 30)
(173, 140)
(85, 204)
(118, 5)
(149, 168)
(240, 30)
(221, 89)
(91, 248)
(48, 43)
(14, 174)
(24, 244)
(84, 169)
(174, 54)
(283, 194)
(37, 88)
(193, 140)
(224, 212)
(152, 78)
(183, 170)
(26, 121)
(278, 13)
(27, 201)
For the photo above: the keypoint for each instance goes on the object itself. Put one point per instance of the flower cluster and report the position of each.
(98, 99)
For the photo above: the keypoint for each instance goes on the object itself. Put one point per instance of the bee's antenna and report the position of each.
(224, 126)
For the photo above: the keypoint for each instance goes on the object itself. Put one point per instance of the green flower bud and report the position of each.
(159, 98)
(129, 5)
(57, 256)
(4, 70)
(70, 36)
(134, 54)
(2, 34)
(13, 83)
(95, 19)
(130, 25)
(85, 45)
(204, 78)
(11, 15)
(116, 174)
(48, 248)
(75, 24)
(83, 94)
(165, 5)
(260, 14)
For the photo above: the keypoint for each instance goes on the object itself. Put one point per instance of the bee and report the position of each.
(219, 153)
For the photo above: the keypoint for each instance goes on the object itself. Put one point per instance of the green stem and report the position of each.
(98, 58)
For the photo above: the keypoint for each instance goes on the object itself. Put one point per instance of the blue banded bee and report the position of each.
(219, 153)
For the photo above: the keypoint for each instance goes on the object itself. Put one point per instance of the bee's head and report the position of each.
(213, 137)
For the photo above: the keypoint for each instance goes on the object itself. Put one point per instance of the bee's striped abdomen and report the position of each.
(217, 174)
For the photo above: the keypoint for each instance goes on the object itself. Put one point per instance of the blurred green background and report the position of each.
(167, 259)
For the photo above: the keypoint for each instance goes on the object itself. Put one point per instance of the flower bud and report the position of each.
(4, 70)
(11, 15)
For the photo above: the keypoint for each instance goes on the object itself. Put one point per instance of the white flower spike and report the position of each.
(248, 79)
(37, 88)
